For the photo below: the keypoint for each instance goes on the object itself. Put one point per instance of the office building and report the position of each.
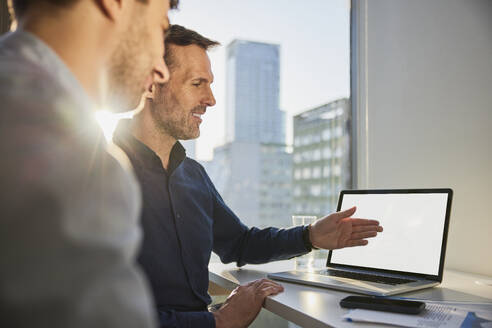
(252, 170)
(255, 181)
(321, 157)
(253, 79)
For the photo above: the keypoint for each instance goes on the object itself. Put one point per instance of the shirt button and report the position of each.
(178, 216)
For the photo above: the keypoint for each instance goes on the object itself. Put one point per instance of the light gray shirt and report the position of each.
(68, 210)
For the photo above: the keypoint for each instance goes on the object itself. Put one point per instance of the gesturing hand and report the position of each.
(244, 303)
(339, 230)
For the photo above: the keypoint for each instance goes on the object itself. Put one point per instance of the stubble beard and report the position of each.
(170, 119)
(128, 69)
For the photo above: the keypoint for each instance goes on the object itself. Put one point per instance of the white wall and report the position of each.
(422, 94)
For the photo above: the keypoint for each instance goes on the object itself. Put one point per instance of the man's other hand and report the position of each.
(339, 230)
(244, 303)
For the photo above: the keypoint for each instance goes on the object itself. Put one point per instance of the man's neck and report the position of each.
(81, 49)
(144, 129)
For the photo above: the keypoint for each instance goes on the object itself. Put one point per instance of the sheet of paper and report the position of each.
(434, 316)
(481, 310)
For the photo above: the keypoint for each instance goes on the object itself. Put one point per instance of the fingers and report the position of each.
(251, 283)
(268, 287)
(255, 283)
(269, 283)
(363, 222)
(270, 291)
(260, 283)
(357, 242)
(263, 287)
(367, 228)
(344, 214)
(363, 235)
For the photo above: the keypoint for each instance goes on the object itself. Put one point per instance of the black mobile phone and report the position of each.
(382, 304)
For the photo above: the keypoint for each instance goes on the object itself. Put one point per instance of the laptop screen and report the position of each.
(414, 227)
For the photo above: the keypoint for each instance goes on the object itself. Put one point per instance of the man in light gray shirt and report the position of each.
(68, 209)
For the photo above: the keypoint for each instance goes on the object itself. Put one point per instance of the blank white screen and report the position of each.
(413, 230)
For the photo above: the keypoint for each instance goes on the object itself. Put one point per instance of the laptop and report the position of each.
(408, 255)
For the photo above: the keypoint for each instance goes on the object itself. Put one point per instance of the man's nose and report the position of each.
(160, 74)
(210, 99)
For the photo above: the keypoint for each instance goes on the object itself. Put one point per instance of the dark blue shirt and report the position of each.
(184, 219)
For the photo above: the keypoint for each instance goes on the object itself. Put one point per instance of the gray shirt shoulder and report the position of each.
(68, 209)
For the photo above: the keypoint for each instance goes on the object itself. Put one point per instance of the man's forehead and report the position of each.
(191, 59)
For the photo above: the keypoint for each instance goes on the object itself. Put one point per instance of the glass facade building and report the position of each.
(321, 157)
(253, 78)
(252, 170)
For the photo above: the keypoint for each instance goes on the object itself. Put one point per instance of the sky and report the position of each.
(314, 39)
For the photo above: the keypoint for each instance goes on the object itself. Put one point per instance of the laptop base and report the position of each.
(349, 285)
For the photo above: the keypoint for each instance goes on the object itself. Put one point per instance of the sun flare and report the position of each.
(108, 121)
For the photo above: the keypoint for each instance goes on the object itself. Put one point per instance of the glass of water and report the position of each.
(304, 262)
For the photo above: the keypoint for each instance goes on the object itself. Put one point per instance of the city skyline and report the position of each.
(314, 53)
(253, 170)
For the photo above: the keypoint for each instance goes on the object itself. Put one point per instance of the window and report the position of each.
(306, 173)
(306, 156)
(326, 134)
(339, 152)
(327, 152)
(338, 131)
(326, 171)
(337, 170)
(267, 72)
(315, 190)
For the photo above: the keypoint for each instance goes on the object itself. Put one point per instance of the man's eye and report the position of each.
(196, 84)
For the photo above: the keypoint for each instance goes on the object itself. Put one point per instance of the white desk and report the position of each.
(318, 307)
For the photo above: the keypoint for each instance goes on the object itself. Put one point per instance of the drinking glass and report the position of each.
(304, 262)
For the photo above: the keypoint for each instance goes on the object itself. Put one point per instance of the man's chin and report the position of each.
(189, 137)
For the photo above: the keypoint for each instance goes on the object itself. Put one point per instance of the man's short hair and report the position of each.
(20, 6)
(181, 36)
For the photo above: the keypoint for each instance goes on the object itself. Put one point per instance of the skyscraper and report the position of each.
(255, 181)
(321, 157)
(253, 76)
(252, 170)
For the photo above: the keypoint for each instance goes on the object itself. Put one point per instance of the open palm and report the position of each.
(339, 230)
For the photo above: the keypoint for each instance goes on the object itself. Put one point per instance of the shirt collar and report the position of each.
(141, 153)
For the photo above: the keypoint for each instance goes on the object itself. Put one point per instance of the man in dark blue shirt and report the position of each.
(184, 218)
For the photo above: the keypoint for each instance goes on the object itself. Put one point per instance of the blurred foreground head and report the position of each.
(115, 48)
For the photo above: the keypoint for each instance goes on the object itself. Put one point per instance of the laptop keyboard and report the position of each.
(366, 277)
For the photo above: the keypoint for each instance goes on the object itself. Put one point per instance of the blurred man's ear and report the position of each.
(113, 9)
(150, 92)
(160, 75)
